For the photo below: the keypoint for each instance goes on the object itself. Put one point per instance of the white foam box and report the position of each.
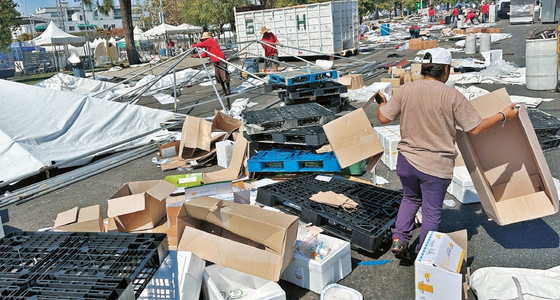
(224, 152)
(462, 186)
(385, 87)
(219, 281)
(179, 277)
(316, 275)
(389, 137)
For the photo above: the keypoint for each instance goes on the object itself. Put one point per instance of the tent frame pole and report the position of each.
(87, 40)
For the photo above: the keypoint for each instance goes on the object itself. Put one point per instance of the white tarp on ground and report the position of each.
(472, 92)
(40, 125)
(69, 83)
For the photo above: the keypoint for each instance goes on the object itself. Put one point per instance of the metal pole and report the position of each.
(87, 40)
(297, 57)
(211, 80)
(174, 91)
(234, 65)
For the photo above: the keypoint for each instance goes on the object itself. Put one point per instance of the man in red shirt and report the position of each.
(454, 17)
(220, 67)
(484, 10)
(270, 50)
(472, 15)
(431, 13)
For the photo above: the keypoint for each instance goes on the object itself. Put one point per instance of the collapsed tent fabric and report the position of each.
(40, 125)
(69, 83)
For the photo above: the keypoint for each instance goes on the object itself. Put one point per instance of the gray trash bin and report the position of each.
(252, 64)
(78, 70)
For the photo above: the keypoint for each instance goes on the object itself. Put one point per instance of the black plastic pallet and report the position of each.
(284, 118)
(366, 227)
(548, 140)
(544, 122)
(324, 88)
(66, 265)
(327, 101)
(308, 136)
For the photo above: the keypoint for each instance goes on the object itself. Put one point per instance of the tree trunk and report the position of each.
(126, 14)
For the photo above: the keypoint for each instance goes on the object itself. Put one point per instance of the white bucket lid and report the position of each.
(339, 292)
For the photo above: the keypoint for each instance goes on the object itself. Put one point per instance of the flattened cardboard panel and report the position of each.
(156, 209)
(126, 205)
(489, 104)
(138, 187)
(66, 217)
(161, 190)
(352, 138)
(224, 122)
(90, 213)
(135, 221)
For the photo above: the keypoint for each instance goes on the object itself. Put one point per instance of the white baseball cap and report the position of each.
(439, 56)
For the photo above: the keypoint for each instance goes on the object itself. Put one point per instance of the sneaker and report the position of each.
(400, 249)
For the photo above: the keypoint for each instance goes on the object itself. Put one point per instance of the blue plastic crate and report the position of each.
(284, 160)
(300, 77)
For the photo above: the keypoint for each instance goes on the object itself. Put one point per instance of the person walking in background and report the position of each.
(171, 47)
(454, 17)
(430, 112)
(431, 13)
(484, 10)
(270, 42)
(220, 67)
(414, 31)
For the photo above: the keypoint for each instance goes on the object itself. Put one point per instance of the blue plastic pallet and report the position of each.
(300, 77)
(284, 160)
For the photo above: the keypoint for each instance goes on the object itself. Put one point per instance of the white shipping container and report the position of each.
(328, 27)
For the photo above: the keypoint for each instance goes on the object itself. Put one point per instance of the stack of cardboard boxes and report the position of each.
(419, 44)
(400, 76)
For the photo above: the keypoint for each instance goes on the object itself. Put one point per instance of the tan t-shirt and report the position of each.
(430, 113)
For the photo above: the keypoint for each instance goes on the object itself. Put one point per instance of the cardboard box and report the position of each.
(470, 30)
(417, 77)
(459, 31)
(352, 81)
(88, 219)
(139, 205)
(507, 165)
(169, 150)
(407, 77)
(243, 237)
(234, 168)
(440, 266)
(195, 135)
(415, 68)
(429, 44)
(397, 72)
(353, 139)
(395, 82)
(492, 30)
(415, 44)
(316, 275)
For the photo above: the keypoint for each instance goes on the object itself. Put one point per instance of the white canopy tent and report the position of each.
(64, 126)
(188, 28)
(54, 36)
(138, 34)
(163, 29)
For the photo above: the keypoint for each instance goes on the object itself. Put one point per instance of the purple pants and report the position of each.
(419, 189)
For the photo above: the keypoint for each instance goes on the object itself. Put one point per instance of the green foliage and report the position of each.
(25, 37)
(106, 7)
(8, 19)
(150, 10)
(209, 12)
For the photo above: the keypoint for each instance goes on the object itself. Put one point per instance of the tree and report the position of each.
(126, 15)
(25, 37)
(209, 12)
(8, 19)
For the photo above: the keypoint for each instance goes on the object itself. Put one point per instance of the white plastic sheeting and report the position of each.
(40, 125)
(69, 83)
(472, 92)
(515, 283)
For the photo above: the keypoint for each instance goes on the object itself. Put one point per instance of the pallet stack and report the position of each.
(547, 128)
(316, 86)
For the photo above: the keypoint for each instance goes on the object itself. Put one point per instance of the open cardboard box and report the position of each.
(507, 165)
(246, 238)
(139, 205)
(441, 266)
(88, 219)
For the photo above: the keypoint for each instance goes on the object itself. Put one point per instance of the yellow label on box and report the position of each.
(425, 287)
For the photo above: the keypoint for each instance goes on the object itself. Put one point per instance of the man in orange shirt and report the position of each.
(269, 44)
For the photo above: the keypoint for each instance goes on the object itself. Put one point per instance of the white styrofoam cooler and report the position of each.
(224, 152)
(328, 27)
(389, 137)
(462, 186)
(179, 277)
(220, 281)
(316, 275)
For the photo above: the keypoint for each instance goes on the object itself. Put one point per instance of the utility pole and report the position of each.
(87, 40)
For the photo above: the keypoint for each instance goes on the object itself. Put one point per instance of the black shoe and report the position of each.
(400, 249)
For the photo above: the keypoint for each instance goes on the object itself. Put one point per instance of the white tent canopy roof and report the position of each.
(190, 28)
(138, 34)
(163, 29)
(54, 36)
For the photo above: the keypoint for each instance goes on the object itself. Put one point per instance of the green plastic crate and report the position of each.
(185, 180)
(358, 168)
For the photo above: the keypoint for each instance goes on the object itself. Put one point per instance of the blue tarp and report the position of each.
(19, 47)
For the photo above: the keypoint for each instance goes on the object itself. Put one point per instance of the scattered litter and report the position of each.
(164, 98)
(7, 193)
(393, 55)
(548, 33)
(207, 83)
(508, 74)
(238, 106)
(375, 262)
(449, 203)
(161, 162)
(380, 180)
(324, 64)
(248, 84)
(335, 291)
(500, 68)
(472, 92)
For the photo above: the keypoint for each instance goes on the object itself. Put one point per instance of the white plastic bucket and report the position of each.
(492, 13)
(470, 44)
(459, 24)
(485, 42)
(540, 63)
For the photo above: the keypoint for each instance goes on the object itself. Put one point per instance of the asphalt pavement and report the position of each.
(530, 244)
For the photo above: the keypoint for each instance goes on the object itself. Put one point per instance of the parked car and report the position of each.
(503, 9)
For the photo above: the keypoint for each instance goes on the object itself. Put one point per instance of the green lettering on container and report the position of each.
(302, 22)
(250, 28)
